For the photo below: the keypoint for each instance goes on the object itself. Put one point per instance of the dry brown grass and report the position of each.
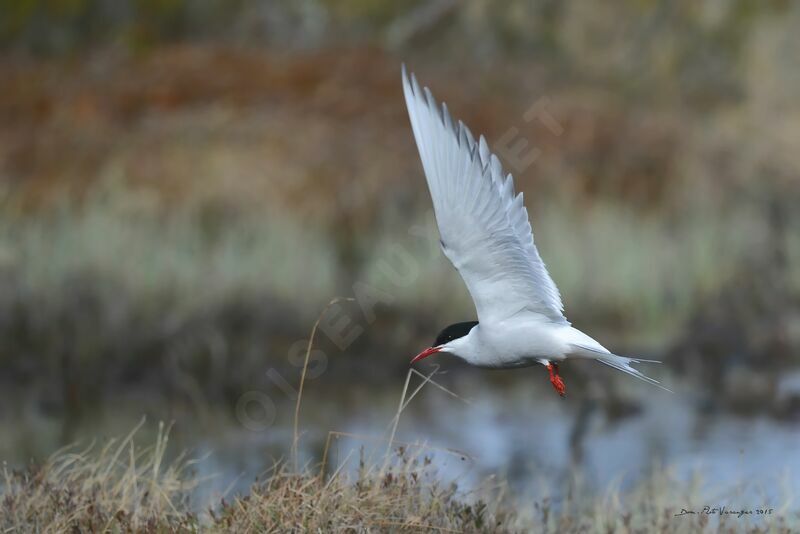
(122, 488)
(406, 497)
(116, 488)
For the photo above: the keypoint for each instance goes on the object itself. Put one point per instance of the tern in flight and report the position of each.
(486, 235)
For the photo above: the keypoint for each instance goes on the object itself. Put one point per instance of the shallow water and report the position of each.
(516, 432)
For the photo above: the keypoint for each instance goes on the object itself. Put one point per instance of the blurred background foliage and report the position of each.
(186, 183)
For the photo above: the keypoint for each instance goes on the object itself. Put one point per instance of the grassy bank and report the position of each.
(118, 487)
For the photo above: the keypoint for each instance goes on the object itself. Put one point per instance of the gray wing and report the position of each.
(483, 224)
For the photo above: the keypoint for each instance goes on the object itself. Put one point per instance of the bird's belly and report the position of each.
(522, 345)
(508, 363)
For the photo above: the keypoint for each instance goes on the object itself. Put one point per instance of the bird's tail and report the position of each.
(621, 363)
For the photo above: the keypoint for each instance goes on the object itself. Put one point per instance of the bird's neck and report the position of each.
(467, 347)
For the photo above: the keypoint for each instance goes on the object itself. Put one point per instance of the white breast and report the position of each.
(517, 342)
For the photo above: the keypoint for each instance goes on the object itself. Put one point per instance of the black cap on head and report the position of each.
(454, 331)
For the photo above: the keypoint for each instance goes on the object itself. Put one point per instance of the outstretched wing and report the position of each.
(483, 225)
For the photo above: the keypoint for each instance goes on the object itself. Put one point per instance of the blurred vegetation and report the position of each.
(120, 288)
(185, 184)
(59, 26)
(702, 40)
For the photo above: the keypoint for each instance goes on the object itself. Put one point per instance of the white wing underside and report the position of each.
(483, 224)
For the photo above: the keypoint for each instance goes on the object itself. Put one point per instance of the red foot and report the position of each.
(555, 379)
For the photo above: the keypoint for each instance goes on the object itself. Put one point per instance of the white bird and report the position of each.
(486, 235)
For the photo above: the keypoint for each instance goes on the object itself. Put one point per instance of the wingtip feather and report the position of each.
(415, 85)
(484, 152)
